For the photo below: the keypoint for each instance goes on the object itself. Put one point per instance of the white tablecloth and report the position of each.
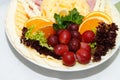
(14, 67)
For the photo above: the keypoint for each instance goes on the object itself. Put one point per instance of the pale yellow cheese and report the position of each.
(50, 7)
(20, 18)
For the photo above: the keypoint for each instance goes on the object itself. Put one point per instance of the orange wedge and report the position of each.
(40, 24)
(92, 20)
(98, 14)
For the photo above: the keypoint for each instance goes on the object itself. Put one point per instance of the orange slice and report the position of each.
(40, 24)
(98, 14)
(92, 20)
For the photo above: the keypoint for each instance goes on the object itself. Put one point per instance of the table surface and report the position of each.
(14, 67)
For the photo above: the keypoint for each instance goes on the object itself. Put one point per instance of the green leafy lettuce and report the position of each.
(93, 45)
(63, 21)
(39, 36)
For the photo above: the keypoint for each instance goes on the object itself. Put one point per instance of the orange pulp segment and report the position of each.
(40, 24)
(91, 24)
(98, 14)
(92, 20)
(48, 30)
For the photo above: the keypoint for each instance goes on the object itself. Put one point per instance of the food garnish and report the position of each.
(91, 21)
(60, 49)
(88, 36)
(105, 39)
(39, 36)
(63, 21)
(52, 40)
(40, 24)
(64, 37)
(83, 56)
(98, 14)
(69, 59)
(73, 37)
(36, 45)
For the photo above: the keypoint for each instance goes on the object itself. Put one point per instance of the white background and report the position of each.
(14, 67)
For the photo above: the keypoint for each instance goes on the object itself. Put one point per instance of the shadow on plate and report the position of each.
(63, 75)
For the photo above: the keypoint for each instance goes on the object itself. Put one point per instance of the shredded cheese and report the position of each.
(50, 7)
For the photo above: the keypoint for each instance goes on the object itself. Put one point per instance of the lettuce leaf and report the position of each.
(39, 36)
(93, 45)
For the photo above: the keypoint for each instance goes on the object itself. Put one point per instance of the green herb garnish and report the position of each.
(93, 45)
(63, 21)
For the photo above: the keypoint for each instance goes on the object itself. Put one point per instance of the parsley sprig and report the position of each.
(63, 21)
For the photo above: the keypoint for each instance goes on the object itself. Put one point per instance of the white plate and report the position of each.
(35, 58)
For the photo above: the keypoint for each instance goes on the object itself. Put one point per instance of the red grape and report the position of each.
(64, 37)
(83, 56)
(60, 49)
(74, 44)
(69, 59)
(52, 40)
(73, 27)
(76, 34)
(59, 31)
(85, 46)
(88, 36)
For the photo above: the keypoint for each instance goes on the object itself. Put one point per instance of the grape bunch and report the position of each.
(71, 45)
